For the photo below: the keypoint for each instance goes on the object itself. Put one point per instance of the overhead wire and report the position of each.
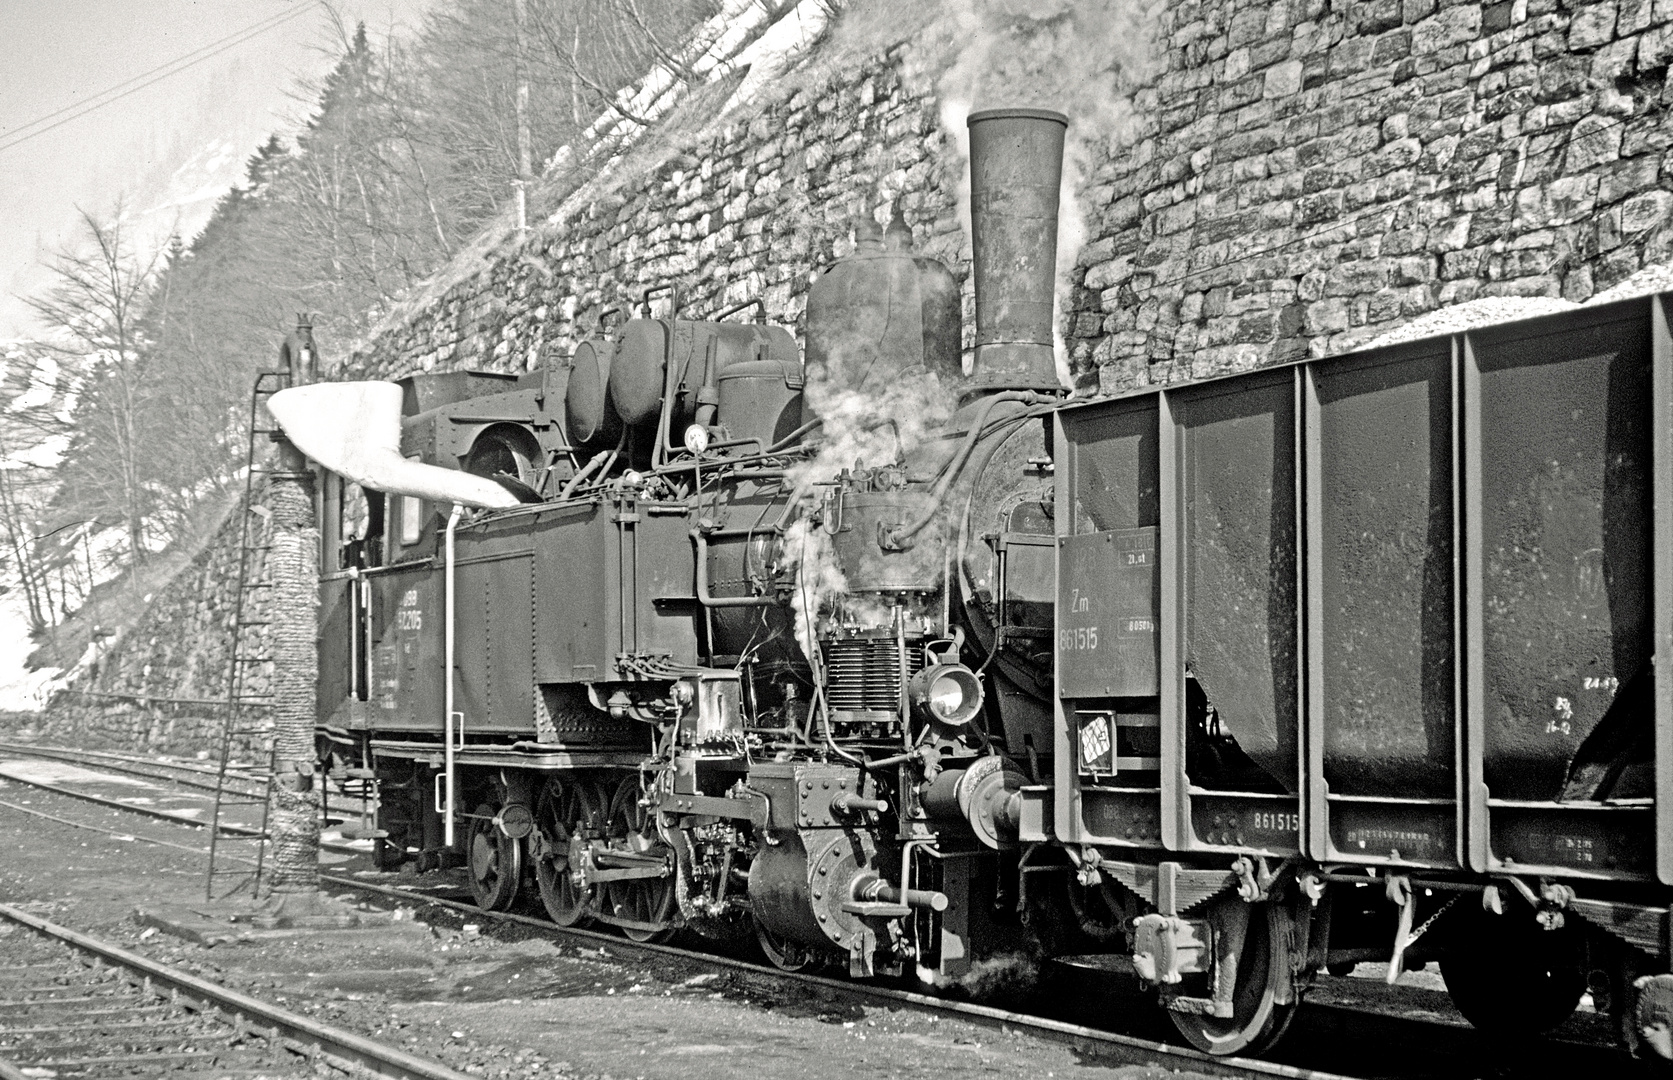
(22, 133)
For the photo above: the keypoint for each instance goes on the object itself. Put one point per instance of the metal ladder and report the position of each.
(230, 872)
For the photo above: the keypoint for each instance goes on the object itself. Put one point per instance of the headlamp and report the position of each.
(948, 694)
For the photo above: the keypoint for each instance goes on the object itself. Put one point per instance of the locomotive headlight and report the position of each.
(697, 438)
(946, 697)
(946, 694)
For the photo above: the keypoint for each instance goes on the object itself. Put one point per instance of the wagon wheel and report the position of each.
(649, 900)
(783, 953)
(1508, 975)
(565, 804)
(1263, 964)
(495, 866)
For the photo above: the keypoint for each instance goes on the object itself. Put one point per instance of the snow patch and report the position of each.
(57, 772)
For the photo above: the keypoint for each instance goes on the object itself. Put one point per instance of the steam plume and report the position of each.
(879, 423)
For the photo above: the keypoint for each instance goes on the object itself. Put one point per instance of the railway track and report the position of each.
(186, 774)
(1089, 1041)
(245, 783)
(1341, 1025)
(171, 816)
(74, 1006)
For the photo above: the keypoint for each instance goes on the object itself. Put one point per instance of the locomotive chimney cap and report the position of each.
(1016, 114)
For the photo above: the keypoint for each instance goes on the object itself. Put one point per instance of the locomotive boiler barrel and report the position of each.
(1016, 166)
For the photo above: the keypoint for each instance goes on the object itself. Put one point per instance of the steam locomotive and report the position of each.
(898, 660)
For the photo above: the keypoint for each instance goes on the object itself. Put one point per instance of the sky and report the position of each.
(169, 149)
(170, 141)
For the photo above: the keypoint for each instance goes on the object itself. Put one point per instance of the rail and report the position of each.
(356, 1051)
(1076, 1035)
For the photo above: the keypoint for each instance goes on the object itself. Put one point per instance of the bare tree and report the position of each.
(94, 307)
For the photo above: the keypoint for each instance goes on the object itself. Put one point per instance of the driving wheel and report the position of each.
(644, 900)
(564, 806)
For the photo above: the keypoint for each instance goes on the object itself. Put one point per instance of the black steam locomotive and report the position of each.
(900, 660)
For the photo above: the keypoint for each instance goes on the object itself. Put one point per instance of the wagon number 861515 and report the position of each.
(1080, 638)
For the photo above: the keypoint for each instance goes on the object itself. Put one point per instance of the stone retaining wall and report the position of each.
(1307, 174)
(159, 686)
(749, 210)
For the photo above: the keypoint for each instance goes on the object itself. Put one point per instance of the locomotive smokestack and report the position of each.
(1016, 165)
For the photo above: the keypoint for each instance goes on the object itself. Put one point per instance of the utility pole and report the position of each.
(525, 149)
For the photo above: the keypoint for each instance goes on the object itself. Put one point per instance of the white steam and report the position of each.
(1001, 975)
(1078, 57)
(880, 424)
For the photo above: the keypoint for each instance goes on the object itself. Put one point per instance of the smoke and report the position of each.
(879, 421)
(819, 580)
(1077, 57)
(1003, 975)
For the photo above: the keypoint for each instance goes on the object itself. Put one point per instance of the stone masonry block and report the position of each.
(1452, 26)
(1642, 213)
(1627, 178)
(1327, 316)
(1593, 25)
(1247, 26)
(1283, 80)
(1594, 141)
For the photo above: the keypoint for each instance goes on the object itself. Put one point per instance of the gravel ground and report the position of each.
(503, 1002)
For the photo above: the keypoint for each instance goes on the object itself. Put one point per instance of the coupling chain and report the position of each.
(1430, 921)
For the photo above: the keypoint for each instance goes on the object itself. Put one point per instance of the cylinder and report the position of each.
(866, 565)
(637, 371)
(588, 415)
(981, 801)
(761, 400)
(1016, 168)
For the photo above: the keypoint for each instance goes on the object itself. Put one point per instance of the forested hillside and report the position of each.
(410, 148)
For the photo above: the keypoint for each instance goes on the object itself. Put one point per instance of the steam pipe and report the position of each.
(794, 435)
(703, 596)
(894, 539)
(603, 457)
(447, 674)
